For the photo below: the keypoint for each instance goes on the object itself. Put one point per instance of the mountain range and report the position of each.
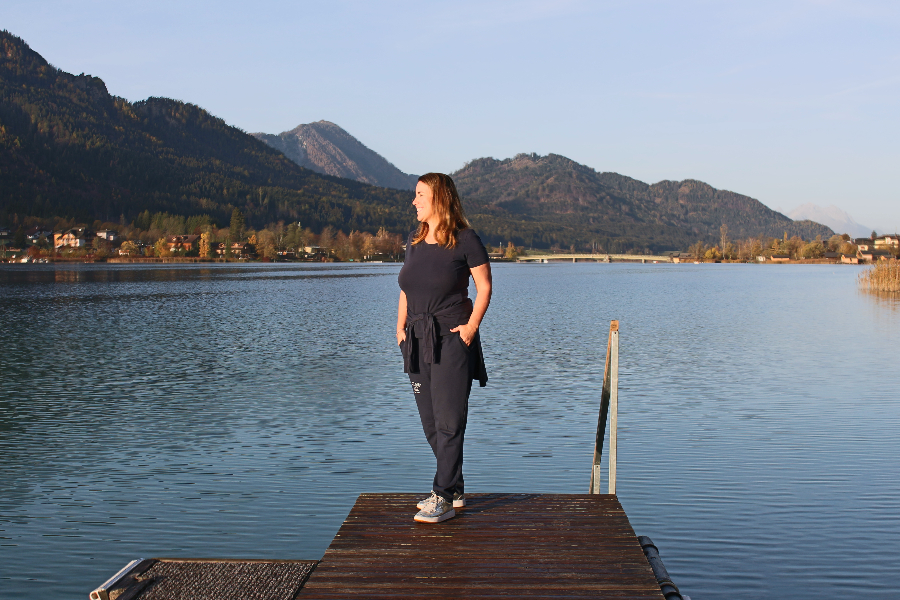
(70, 149)
(552, 200)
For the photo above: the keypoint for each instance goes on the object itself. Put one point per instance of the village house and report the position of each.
(238, 250)
(317, 252)
(864, 244)
(73, 238)
(781, 258)
(872, 255)
(34, 234)
(185, 243)
(849, 259)
(108, 234)
(886, 242)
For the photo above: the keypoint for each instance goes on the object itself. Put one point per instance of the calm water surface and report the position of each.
(237, 411)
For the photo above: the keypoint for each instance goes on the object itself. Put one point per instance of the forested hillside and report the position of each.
(554, 200)
(70, 149)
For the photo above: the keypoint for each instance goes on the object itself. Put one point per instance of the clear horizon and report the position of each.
(789, 103)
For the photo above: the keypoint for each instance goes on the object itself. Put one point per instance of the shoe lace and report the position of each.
(432, 502)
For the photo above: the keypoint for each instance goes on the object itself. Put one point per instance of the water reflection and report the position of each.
(889, 300)
(85, 273)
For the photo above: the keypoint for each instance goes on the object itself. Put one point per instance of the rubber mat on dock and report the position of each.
(199, 579)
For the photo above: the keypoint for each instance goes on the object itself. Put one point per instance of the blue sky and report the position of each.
(789, 102)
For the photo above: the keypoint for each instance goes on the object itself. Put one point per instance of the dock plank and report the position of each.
(499, 546)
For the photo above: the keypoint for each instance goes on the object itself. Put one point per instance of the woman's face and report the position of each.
(424, 202)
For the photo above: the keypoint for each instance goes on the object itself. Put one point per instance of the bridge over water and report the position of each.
(547, 258)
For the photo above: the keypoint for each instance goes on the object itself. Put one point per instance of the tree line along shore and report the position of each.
(166, 236)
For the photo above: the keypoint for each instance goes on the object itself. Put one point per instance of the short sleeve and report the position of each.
(472, 248)
(409, 245)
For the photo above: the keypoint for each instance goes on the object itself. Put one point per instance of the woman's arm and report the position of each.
(401, 318)
(482, 277)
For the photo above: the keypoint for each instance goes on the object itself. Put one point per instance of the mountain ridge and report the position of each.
(554, 193)
(832, 216)
(327, 148)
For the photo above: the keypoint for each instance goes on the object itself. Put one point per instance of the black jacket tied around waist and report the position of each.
(426, 328)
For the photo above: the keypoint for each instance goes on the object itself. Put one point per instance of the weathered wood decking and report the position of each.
(500, 545)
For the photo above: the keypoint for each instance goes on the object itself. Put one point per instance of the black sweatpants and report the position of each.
(442, 395)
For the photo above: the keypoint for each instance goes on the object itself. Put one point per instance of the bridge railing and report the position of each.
(609, 411)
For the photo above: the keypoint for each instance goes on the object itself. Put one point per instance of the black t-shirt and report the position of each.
(435, 278)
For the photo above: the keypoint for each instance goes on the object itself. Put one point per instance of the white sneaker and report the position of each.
(459, 501)
(436, 509)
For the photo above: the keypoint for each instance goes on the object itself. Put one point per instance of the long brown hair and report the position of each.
(448, 207)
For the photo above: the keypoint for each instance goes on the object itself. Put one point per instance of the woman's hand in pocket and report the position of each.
(401, 336)
(466, 333)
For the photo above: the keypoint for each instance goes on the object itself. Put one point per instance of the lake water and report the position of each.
(237, 411)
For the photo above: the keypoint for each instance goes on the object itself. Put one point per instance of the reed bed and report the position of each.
(884, 276)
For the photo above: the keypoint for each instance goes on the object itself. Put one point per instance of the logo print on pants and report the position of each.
(417, 387)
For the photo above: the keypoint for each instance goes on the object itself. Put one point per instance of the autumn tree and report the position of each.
(814, 249)
(698, 250)
(756, 248)
(794, 247)
(161, 248)
(712, 254)
(129, 248)
(834, 243)
(265, 244)
(278, 235)
(848, 248)
(327, 237)
(205, 248)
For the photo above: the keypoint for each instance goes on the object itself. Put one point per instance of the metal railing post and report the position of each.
(613, 406)
(609, 392)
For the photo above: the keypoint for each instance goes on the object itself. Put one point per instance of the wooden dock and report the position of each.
(500, 545)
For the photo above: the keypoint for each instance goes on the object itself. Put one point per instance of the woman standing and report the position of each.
(437, 331)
